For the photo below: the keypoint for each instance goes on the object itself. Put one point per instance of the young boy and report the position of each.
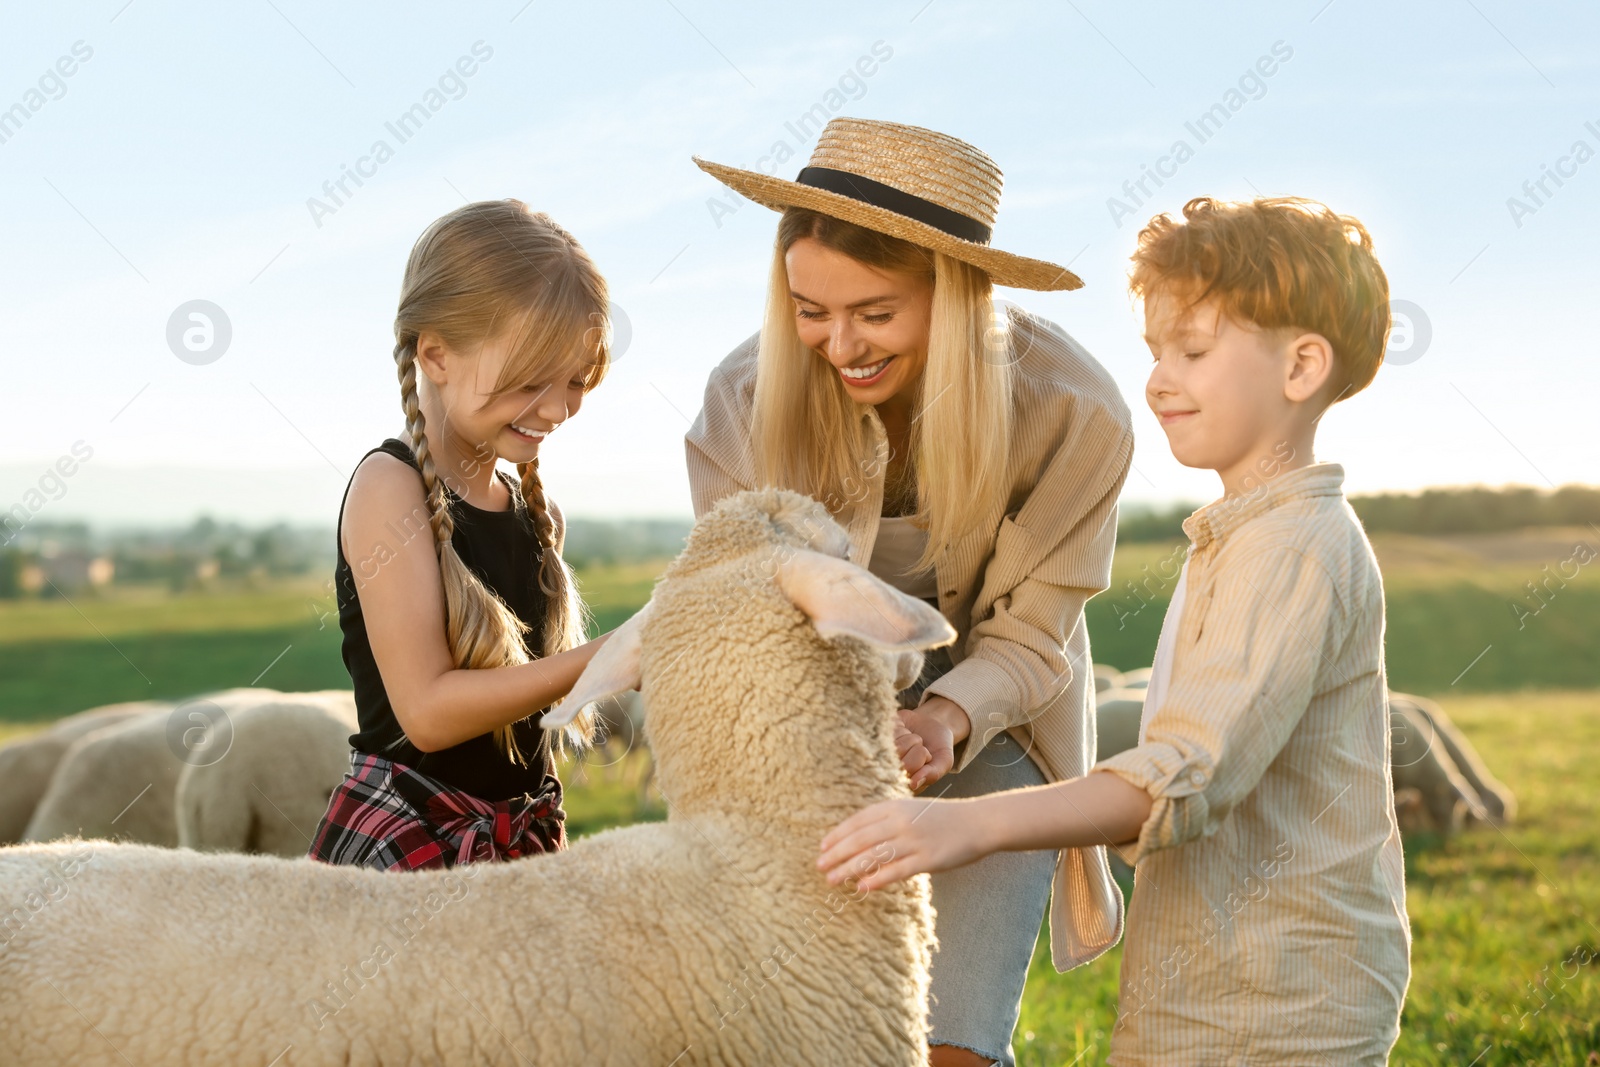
(1268, 920)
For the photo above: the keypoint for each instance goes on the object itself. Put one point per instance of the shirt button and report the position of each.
(1197, 777)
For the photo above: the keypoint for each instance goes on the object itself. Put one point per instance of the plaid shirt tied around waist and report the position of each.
(389, 816)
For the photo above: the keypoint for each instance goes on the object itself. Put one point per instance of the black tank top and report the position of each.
(500, 547)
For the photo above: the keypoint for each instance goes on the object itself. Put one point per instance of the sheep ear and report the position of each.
(907, 668)
(841, 598)
(614, 669)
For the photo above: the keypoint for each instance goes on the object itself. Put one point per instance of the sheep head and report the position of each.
(763, 629)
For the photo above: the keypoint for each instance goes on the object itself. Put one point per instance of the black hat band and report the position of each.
(898, 201)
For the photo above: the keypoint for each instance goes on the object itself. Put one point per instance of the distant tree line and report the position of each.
(47, 558)
(602, 542)
(1473, 509)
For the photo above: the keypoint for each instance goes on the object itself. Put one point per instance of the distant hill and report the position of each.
(1468, 509)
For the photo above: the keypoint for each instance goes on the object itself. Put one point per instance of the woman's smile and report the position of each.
(866, 375)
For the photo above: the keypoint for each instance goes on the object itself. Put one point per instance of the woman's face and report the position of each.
(870, 325)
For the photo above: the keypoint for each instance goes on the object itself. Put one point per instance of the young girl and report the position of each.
(461, 622)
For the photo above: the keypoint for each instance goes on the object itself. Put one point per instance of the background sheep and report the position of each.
(1116, 714)
(1138, 678)
(1496, 799)
(772, 715)
(1439, 780)
(1106, 678)
(1420, 762)
(119, 780)
(269, 792)
(27, 764)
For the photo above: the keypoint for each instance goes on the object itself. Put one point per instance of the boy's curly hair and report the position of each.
(1276, 262)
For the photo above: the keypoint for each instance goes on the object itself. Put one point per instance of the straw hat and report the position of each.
(919, 185)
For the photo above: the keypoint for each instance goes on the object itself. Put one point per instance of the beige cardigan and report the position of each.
(1014, 588)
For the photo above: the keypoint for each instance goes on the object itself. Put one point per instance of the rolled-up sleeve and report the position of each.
(1017, 659)
(1234, 698)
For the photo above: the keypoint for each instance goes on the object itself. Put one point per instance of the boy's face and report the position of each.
(1217, 386)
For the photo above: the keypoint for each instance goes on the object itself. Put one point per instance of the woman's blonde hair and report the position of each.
(808, 434)
(483, 270)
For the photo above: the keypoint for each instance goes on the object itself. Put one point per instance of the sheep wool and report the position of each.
(267, 793)
(28, 764)
(119, 780)
(768, 663)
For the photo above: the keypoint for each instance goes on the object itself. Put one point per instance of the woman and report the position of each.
(975, 461)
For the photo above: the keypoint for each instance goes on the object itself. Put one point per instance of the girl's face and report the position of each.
(870, 325)
(511, 425)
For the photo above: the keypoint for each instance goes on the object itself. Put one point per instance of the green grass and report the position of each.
(1450, 617)
(60, 656)
(600, 793)
(1493, 913)
(1451, 625)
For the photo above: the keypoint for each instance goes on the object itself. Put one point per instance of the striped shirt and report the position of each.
(1013, 588)
(1268, 918)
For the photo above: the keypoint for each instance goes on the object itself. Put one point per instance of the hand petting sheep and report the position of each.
(1441, 783)
(769, 664)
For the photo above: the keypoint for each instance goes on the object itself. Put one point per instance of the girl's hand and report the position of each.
(895, 839)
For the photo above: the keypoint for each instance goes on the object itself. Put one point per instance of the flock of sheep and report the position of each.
(243, 770)
(161, 907)
(1441, 783)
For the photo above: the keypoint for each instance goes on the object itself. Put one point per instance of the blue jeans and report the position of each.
(987, 918)
(988, 913)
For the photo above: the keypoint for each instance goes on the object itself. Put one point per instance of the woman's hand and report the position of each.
(895, 839)
(927, 740)
(913, 753)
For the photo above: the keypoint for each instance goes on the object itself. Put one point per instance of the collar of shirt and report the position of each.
(1220, 517)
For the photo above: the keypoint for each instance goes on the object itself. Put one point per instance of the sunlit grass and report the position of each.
(1499, 919)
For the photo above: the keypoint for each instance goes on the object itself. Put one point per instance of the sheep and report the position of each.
(27, 764)
(269, 791)
(1106, 678)
(1498, 802)
(770, 665)
(1431, 789)
(120, 778)
(1418, 761)
(1116, 715)
(1136, 679)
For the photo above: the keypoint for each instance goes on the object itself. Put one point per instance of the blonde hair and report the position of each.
(807, 433)
(485, 268)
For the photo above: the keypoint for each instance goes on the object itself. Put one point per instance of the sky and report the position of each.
(159, 154)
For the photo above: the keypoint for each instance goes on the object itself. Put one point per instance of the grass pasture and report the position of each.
(1506, 924)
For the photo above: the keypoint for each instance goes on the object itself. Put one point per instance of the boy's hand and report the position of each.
(895, 839)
